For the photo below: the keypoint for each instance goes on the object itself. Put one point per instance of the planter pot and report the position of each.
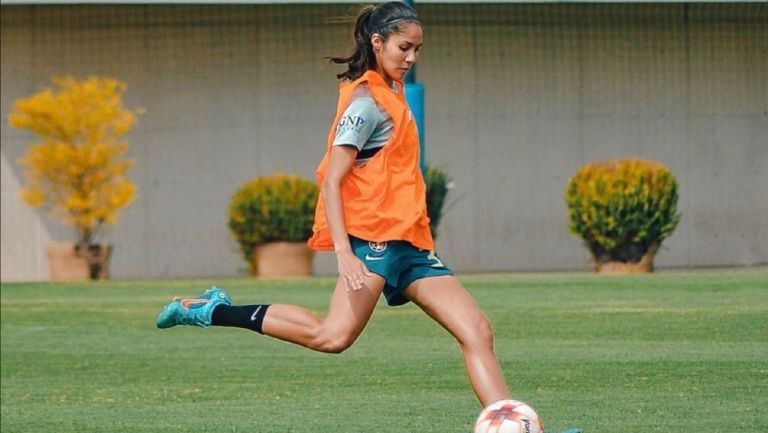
(282, 259)
(67, 265)
(644, 265)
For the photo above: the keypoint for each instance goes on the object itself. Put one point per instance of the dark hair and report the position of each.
(384, 19)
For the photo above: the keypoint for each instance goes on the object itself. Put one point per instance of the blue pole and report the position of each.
(414, 95)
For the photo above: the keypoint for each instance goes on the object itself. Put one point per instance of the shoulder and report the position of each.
(362, 101)
(361, 91)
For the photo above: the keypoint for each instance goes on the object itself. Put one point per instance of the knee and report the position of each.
(333, 343)
(479, 335)
(336, 346)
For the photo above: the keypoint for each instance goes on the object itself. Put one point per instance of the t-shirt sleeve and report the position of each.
(358, 122)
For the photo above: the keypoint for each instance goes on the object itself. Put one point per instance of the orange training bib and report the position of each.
(384, 199)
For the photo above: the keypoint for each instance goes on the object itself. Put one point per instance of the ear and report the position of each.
(377, 41)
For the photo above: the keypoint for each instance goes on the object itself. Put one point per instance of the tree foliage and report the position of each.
(438, 183)
(77, 169)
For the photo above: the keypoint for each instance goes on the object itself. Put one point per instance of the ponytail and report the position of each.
(363, 58)
(384, 19)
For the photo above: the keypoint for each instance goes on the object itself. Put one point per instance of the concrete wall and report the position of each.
(518, 97)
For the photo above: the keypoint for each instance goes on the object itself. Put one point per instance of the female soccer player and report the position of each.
(372, 213)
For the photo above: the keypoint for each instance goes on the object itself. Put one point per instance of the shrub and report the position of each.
(278, 207)
(622, 208)
(438, 184)
(77, 169)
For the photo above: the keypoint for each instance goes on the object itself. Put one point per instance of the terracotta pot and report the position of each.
(282, 259)
(67, 265)
(645, 265)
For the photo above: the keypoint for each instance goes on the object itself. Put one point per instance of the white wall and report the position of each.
(517, 98)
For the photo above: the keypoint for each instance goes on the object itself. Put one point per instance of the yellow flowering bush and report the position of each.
(274, 208)
(77, 169)
(622, 208)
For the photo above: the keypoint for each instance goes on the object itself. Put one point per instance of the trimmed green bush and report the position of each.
(622, 208)
(437, 182)
(274, 208)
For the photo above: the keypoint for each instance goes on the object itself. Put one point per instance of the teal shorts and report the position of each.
(399, 263)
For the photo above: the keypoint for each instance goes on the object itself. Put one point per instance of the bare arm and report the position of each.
(351, 270)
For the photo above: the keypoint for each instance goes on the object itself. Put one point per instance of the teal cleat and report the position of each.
(215, 292)
(195, 311)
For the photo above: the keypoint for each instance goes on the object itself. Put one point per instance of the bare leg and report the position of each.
(448, 303)
(348, 314)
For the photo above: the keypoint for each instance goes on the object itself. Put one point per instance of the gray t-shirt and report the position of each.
(364, 125)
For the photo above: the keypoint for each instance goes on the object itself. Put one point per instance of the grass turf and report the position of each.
(670, 352)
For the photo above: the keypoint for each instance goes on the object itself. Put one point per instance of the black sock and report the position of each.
(240, 316)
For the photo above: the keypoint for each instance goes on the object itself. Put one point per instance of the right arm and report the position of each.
(351, 270)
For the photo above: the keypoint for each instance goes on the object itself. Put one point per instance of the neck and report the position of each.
(387, 78)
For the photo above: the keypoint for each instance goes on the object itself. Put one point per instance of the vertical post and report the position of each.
(414, 95)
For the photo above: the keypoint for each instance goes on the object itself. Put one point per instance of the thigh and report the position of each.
(350, 311)
(446, 301)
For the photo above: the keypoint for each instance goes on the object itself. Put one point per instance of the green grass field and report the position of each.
(670, 352)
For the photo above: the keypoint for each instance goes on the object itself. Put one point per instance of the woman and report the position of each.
(372, 214)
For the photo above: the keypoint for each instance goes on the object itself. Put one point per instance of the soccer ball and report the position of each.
(508, 416)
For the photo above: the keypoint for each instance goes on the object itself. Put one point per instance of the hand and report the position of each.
(352, 271)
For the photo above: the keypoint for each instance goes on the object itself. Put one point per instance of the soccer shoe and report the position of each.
(215, 292)
(195, 311)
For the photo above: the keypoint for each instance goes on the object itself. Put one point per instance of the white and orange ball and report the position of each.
(508, 416)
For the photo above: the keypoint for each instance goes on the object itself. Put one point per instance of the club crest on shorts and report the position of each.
(377, 246)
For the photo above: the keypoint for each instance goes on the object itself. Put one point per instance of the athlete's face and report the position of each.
(396, 56)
